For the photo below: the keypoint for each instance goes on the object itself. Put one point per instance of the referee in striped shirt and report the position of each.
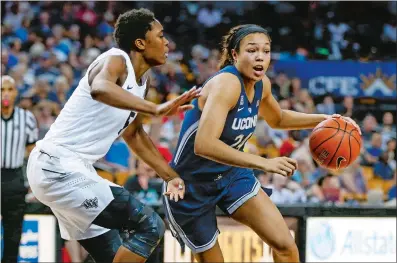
(18, 135)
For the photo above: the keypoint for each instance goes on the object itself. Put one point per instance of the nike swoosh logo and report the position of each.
(129, 87)
(339, 161)
(239, 109)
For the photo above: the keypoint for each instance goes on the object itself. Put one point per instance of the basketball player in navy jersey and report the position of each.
(210, 156)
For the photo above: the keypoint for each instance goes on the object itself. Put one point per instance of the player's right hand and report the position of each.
(281, 165)
(175, 189)
(177, 105)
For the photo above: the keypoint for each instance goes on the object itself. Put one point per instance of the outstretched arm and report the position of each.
(141, 144)
(104, 89)
(277, 118)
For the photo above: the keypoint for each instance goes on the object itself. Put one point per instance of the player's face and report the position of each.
(156, 45)
(8, 93)
(254, 56)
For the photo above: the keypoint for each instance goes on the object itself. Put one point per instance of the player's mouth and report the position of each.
(259, 71)
(166, 54)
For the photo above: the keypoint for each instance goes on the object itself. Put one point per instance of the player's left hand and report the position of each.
(348, 119)
(175, 189)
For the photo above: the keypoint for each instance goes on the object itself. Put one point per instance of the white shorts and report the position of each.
(70, 187)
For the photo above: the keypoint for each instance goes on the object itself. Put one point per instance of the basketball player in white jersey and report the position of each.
(104, 106)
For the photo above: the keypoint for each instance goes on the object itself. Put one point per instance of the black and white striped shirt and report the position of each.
(18, 131)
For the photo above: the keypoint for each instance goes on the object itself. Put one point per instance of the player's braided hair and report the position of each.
(232, 41)
(132, 25)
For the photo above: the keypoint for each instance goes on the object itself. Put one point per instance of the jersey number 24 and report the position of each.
(240, 141)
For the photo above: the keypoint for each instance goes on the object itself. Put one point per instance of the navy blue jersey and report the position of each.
(239, 127)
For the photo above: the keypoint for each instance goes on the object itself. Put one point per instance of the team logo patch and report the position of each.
(249, 109)
(242, 100)
(91, 203)
(257, 103)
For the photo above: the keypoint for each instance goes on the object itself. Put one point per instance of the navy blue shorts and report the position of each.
(193, 219)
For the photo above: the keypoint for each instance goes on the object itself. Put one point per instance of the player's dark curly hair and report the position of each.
(132, 25)
(226, 55)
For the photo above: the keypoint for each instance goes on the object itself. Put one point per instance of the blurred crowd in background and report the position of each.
(47, 46)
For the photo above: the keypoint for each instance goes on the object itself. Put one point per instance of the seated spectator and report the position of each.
(144, 185)
(304, 102)
(352, 179)
(369, 126)
(303, 175)
(45, 112)
(327, 189)
(281, 194)
(388, 129)
(302, 152)
(46, 69)
(327, 107)
(374, 151)
(347, 107)
(382, 168)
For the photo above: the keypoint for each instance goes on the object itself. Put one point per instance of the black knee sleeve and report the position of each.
(144, 230)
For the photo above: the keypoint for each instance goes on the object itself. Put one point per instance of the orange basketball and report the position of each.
(335, 143)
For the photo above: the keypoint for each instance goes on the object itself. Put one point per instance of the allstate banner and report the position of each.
(343, 78)
(351, 239)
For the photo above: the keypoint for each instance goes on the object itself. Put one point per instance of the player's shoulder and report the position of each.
(225, 82)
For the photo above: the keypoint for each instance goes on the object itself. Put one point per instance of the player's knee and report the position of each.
(146, 236)
(146, 220)
(153, 227)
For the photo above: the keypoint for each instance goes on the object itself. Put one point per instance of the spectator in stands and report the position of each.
(281, 194)
(304, 102)
(388, 129)
(352, 179)
(303, 175)
(13, 17)
(282, 84)
(382, 168)
(47, 69)
(302, 152)
(374, 151)
(347, 107)
(327, 189)
(327, 107)
(45, 112)
(144, 185)
(369, 126)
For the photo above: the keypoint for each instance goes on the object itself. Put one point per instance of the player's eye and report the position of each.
(251, 50)
(267, 51)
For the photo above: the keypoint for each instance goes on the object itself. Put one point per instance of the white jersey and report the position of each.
(88, 127)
